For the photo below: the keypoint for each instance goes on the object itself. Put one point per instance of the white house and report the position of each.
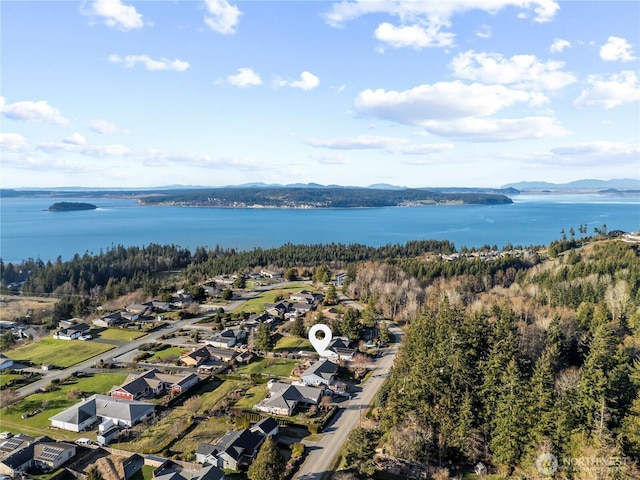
(320, 373)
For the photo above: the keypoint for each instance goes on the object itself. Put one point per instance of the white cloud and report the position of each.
(99, 151)
(308, 81)
(484, 32)
(559, 45)
(29, 111)
(117, 15)
(496, 130)
(149, 63)
(617, 48)
(332, 159)
(601, 150)
(441, 100)
(244, 78)
(422, 23)
(610, 92)
(13, 142)
(520, 71)
(75, 139)
(102, 126)
(413, 36)
(396, 145)
(222, 17)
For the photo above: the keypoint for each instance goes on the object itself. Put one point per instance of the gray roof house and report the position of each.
(339, 349)
(284, 398)
(227, 338)
(321, 372)
(122, 413)
(235, 450)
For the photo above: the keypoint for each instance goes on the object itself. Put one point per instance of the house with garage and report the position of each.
(235, 450)
(153, 383)
(51, 455)
(113, 319)
(339, 349)
(283, 398)
(103, 408)
(227, 338)
(207, 355)
(73, 332)
(320, 373)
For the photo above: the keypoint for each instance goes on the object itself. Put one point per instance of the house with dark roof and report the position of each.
(339, 349)
(5, 362)
(72, 332)
(121, 413)
(235, 450)
(266, 426)
(284, 398)
(172, 471)
(153, 383)
(322, 372)
(227, 338)
(51, 455)
(207, 355)
(113, 319)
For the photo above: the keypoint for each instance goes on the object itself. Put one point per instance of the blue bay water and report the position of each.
(28, 230)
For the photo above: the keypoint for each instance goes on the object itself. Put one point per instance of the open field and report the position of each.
(166, 355)
(50, 403)
(256, 305)
(271, 367)
(292, 343)
(8, 377)
(18, 307)
(118, 334)
(61, 353)
(251, 397)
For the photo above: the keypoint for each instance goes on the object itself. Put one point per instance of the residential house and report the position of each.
(17, 461)
(5, 362)
(266, 426)
(339, 349)
(172, 471)
(153, 383)
(73, 332)
(227, 338)
(271, 274)
(121, 413)
(340, 278)
(158, 306)
(138, 309)
(207, 355)
(69, 322)
(181, 299)
(322, 372)
(51, 455)
(280, 308)
(235, 450)
(111, 320)
(284, 398)
(15, 443)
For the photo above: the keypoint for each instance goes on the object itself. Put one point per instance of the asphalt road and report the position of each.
(322, 456)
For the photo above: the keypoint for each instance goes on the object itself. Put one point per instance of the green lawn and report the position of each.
(8, 377)
(252, 396)
(61, 353)
(292, 343)
(257, 304)
(54, 402)
(270, 367)
(119, 334)
(168, 354)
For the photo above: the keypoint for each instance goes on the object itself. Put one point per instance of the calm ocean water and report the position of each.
(28, 230)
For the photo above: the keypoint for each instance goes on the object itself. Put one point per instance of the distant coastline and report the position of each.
(71, 206)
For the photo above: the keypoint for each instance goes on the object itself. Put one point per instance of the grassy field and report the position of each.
(54, 402)
(168, 354)
(257, 304)
(61, 353)
(19, 306)
(251, 397)
(7, 377)
(118, 334)
(292, 343)
(270, 367)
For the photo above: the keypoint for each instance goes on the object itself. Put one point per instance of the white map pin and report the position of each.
(320, 344)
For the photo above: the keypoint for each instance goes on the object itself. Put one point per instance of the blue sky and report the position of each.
(117, 93)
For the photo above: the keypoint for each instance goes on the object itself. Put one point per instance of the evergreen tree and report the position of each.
(351, 326)
(262, 339)
(297, 329)
(269, 463)
(359, 451)
(331, 297)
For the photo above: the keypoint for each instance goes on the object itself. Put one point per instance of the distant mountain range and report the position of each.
(587, 184)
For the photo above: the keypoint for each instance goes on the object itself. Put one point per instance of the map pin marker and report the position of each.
(320, 344)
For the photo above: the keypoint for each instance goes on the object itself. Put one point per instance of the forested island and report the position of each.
(318, 197)
(71, 206)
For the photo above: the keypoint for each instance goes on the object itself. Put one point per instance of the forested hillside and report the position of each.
(545, 363)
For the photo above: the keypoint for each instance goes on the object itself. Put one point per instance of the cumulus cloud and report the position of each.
(559, 45)
(308, 81)
(520, 71)
(13, 142)
(397, 145)
(610, 92)
(222, 17)
(29, 111)
(102, 126)
(115, 14)
(616, 49)
(75, 139)
(413, 36)
(441, 100)
(244, 78)
(149, 63)
(423, 24)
